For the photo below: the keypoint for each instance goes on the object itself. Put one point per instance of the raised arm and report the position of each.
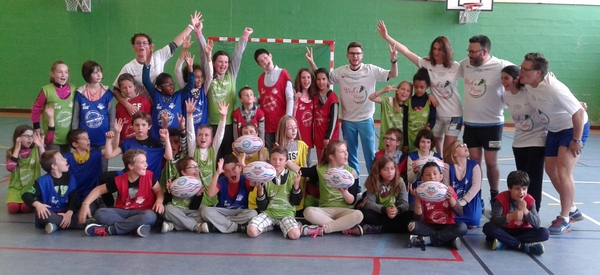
(240, 46)
(381, 28)
(394, 60)
(178, 40)
(309, 58)
(212, 188)
(187, 42)
(221, 126)
(376, 96)
(208, 72)
(191, 132)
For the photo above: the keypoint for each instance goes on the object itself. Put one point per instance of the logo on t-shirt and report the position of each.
(93, 119)
(358, 94)
(475, 87)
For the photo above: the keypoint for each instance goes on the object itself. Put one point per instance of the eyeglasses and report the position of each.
(354, 53)
(167, 84)
(389, 139)
(142, 43)
(461, 145)
(27, 136)
(192, 167)
(474, 52)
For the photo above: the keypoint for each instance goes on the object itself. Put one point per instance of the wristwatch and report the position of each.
(462, 202)
(394, 61)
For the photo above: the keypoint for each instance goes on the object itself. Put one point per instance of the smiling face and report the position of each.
(404, 91)
(191, 169)
(355, 56)
(388, 172)
(322, 82)
(139, 165)
(221, 64)
(199, 79)
(305, 80)
(60, 74)
(518, 192)
(508, 82)
(232, 171)
(167, 87)
(204, 138)
(431, 173)
(425, 144)
(265, 61)
(420, 87)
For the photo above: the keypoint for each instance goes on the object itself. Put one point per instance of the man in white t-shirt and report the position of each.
(141, 42)
(483, 109)
(356, 82)
(568, 128)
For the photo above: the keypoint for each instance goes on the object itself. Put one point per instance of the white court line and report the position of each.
(548, 181)
(584, 215)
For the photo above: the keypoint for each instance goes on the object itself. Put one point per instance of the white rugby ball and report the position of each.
(432, 191)
(423, 160)
(248, 144)
(338, 178)
(185, 187)
(259, 171)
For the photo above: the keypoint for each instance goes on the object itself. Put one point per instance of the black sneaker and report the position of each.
(372, 229)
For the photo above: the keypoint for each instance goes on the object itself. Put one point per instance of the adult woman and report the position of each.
(443, 74)
(464, 175)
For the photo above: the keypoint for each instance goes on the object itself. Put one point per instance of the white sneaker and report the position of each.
(167, 227)
(201, 227)
(50, 228)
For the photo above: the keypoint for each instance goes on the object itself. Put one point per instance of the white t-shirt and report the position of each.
(355, 88)
(555, 103)
(529, 129)
(444, 88)
(483, 92)
(157, 65)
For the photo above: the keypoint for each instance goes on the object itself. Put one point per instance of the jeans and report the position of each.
(366, 130)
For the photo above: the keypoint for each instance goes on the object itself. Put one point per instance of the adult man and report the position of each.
(356, 82)
(141, 42)
(568, 128)
(483, 106)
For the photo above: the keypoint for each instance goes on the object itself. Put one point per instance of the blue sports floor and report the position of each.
(26, 250)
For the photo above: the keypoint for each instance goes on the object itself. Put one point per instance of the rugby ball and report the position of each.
(248, 144)
(185, 187)
(432, 191)
(423, 160)
(338, 178)
(259, 171)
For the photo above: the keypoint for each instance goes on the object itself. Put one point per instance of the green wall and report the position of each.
(35, 33)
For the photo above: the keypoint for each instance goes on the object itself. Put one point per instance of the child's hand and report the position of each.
(190, 105)
(415, 167)
(110, 135)
(220, 167)
(84, 213)
(196, 21)
(168, 186)
(158, 208)
(66, 219)
(49, 110)
(201, 192)
(164, 134)
(181, 120)
(223, 106)
(393, 53)
(149, 54)
(164, 119)
(412, 191)
(18, 143)
(242, 159)
(309, 55)
(42, 210)
(391, 212)
(382, 29)
(450, 197)
(522, 204)
(38, 139)
(208, 49)
(187, 42)
(248, 32)
(119, 125)
(189, 59)
(297, 180)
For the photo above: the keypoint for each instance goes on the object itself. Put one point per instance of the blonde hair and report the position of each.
(54, 65)
(449, 152)
(280, 137)
(396, 100)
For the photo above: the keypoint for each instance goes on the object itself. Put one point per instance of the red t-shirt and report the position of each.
(439, 212)
(321, 120)
(304, 116)
(142, 104)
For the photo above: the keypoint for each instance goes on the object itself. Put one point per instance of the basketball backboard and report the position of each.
(457, 5)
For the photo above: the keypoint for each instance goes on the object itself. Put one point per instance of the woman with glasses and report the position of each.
(464, 175)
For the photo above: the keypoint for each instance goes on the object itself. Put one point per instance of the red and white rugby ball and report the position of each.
(185, 187)
(338, 178)
(432, 191)
(248, 144)
(423, 160)
(259, 171)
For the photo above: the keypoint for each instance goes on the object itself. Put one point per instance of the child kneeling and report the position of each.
(434, 221)
(515, 223)
(139, 198)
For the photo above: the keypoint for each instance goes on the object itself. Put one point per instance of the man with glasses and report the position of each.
(141, 43)
(483, 106)
(568, 128)
(356, 82)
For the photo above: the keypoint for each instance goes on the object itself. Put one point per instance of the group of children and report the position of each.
(171, 137)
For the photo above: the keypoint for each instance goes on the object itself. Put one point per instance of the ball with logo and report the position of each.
(185, 187)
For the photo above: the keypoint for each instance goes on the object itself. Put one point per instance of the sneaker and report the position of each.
(356, 230)
(559, 226)
(312, 230)
(533, 248)
(167, 227)
(50, 227)
(456, 243)
(497, 245)
(94, 229)
(372, 229)
(242, 228)
(201, 227)
(575, 216)
(416, 241)
(90, 221)
(143, 230)
(482, 206)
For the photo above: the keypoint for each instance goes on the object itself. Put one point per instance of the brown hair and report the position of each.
(396, 132)
(125, 76)
(312, 89)
(141, 34)
(424, 133)
(330, 150)
(88, 69)
(73, 136)
(279, 150)
(16, 134)
(354, 44)
(47, 160)
(130, 155)
(141, 115)
(446, 48)
(373, 182)
(182, 164)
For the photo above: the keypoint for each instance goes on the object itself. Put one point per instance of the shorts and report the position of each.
(447, 126)
(488, 137)
(563, 138)
(265, 223)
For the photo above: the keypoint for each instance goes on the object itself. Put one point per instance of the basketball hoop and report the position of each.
(470, 14)
(86, 5)
(72, 5)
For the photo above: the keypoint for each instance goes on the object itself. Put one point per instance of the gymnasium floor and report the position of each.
(26, 250)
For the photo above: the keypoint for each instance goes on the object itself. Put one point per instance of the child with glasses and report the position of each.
(164, 96)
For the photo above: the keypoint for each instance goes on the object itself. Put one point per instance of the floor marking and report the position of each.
(376, 266)
(477, 258)
(456, 258)
(558, 204)
(535, 259)
(596, 202)
(381, 245)
(584, 215)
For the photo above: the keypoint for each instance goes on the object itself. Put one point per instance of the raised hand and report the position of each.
(220, 166)
(309, 55)
(196, 21)
(164, 134)
(382, 29)
(38, 140)
(248, 31)
(110, 135)
(189, 59)
(190, 105)
(187, 42)
(208, 49)
(149, 53)
(393, 53)
(164, 118)
(223, 106)
(119, 125)
(181, 120)
(49, 111)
